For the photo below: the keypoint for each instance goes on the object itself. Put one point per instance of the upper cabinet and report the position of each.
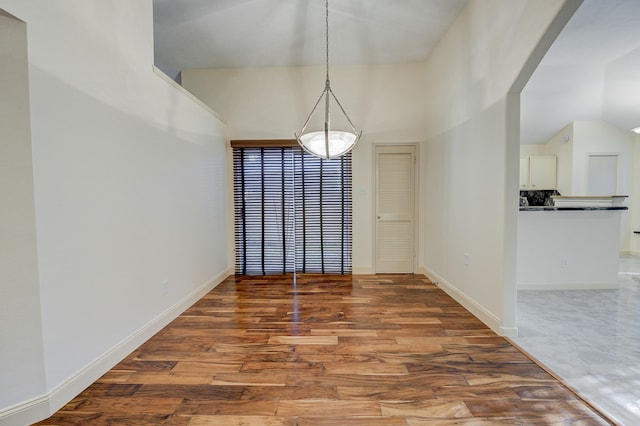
(538, 172)
(524, 173)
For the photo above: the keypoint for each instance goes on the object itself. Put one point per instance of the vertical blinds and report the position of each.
(292, 212)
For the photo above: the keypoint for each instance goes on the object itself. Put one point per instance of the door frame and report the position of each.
(416, 200)
(588, 156)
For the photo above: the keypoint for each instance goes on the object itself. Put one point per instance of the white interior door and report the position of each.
(602, 171)
(395, 182)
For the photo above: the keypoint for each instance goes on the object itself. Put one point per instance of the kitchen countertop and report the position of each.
(555, 208)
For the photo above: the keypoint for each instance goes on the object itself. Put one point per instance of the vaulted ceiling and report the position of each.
(591, 72)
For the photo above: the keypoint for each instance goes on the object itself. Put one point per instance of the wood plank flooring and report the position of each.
(327, 350)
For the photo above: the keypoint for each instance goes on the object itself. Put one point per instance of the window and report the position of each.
(292, 211)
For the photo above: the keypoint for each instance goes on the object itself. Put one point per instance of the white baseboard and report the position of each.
(467, 302)
(569, 286)
(362, 270)
(510, 332)
(44, 406)
(26, 412)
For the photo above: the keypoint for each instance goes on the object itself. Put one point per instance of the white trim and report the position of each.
(467, 302)
(602, 154)
(46, 405)
(362, 270)
(185, 92)
(510, 332)
(26, 413)
(415, 146)
(569, 286)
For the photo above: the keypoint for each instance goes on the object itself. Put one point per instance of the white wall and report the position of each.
(537, 149)
(561, 145)
(272, 103)
(21, 347)
(599, 137)
(584, 138)
(594, 137)
(634, 202)
(471, 179)
(129, 183)
(568, 249)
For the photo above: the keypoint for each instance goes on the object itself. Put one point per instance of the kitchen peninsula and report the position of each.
(574, 244)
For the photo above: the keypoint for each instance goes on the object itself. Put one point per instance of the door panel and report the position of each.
(395, 181)
(602, 174)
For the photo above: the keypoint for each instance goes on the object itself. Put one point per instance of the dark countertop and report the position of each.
(554, 209)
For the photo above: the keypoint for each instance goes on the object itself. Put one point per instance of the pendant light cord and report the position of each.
(327, 37)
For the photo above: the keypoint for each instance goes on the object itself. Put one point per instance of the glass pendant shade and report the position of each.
(332, 145)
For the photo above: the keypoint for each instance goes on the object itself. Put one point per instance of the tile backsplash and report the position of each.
(539, 198)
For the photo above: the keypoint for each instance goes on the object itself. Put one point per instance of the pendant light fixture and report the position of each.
(328, 143)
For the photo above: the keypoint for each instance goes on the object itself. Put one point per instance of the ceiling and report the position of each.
(591, 72)
(268, 33)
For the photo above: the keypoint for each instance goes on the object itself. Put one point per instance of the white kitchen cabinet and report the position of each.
(542, 172)
(524, 172)
(538, 172)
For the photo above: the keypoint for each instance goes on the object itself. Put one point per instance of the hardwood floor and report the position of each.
(329, 350)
